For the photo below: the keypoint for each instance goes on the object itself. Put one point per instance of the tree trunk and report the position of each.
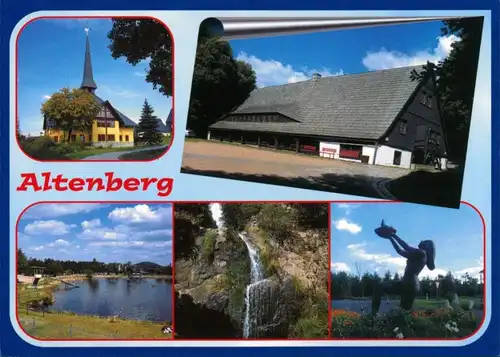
(69, 134)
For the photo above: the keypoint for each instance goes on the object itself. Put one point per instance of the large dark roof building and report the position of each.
(381, 117)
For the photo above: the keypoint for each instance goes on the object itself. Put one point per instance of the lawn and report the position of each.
(436, 304)
(44, 148)
(67, 325)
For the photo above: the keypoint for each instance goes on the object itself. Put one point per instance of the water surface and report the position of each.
(138, 299)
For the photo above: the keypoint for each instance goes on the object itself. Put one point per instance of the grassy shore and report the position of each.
(68, 325)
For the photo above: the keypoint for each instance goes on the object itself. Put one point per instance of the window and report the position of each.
(72, 138)
(101, 137)
(56, 139)
(397, 158)
(82, 138)
(126, 137)
(121, 138)
(350, 151)
(426, 99)
(403, 127)
(111, 137)
(102, 123)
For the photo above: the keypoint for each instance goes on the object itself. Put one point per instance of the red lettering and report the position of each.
(76, 184)
(46, 181)
(165, 186)
(29, 180)
(114, 183)
(131, 184)
(59, 181)
(146, 182)
(92, 182)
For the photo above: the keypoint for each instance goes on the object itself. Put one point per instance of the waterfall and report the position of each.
(259, 290)
(216, 211)
(256, 292)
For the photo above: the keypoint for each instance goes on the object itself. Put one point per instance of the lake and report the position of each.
(138, 299)
(363, 306)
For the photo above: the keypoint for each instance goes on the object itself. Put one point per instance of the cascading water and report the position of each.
(259, 290)
(256, 291)
(216, 211)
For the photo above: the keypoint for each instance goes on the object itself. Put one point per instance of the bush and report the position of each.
(208, 245)
(278, 221)
(402, 324)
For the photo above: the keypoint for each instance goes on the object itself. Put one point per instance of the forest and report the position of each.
(53, 267)
(345, 285)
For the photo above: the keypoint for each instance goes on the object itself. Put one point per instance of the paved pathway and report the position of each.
(116, 154)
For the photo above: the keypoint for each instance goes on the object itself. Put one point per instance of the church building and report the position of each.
(110, 128)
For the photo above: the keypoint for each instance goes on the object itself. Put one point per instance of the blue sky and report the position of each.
(457, 234)
(283, 59)
(108, 233)
(50, 57)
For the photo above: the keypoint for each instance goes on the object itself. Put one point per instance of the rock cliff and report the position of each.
(212, 268)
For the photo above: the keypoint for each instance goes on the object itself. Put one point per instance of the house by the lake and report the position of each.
(380, 117)
(110, 128)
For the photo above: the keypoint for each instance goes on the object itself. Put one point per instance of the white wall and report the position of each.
(385, 157)
(331, 150)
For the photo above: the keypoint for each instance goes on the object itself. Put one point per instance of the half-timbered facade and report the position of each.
(109, 128)
(381, 117)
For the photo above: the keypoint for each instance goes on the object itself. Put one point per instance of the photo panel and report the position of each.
(95, 271)
(386, 118)
(406, 271)
(251, 270)
(87, 92)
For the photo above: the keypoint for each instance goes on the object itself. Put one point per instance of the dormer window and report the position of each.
(426, 99)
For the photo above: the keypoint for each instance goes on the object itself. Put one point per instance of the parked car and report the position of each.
(189, 133)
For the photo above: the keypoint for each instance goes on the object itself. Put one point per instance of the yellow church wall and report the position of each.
(123, 135)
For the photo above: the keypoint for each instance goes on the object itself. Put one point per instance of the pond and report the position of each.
(138, 299)
(363, 306)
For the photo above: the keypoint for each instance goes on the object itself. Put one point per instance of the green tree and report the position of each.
(148, 126)
(71, 109)
(456, 81)
(220, 81)
(22, 261)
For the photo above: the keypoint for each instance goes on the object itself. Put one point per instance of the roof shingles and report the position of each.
(359, 106)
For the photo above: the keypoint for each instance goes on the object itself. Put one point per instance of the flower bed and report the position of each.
(399, 324)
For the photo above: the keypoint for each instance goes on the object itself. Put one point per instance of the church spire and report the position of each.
(88, 82)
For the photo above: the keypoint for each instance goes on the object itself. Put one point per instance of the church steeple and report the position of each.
(88, 82)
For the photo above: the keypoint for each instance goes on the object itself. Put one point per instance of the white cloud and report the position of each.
(36, 249)
(46, 96)
(386, 59)
(272, 72)
(344, 225)
(347, 208)
(54, 210)
(128, 244)
(93, 223)
(102, 233)
(140, 214)
(51, 227)
(339, 266)
(472, 271)
(358, 251)
(59, 243)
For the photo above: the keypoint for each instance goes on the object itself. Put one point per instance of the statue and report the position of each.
(417, 259)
